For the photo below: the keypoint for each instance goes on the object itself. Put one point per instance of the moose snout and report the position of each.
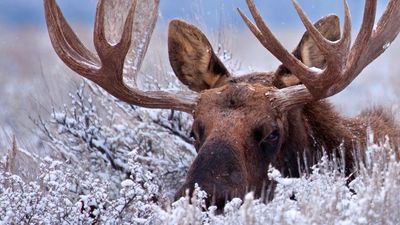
(218, 172)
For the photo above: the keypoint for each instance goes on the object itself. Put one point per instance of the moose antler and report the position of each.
(343, 61)
(107, 67)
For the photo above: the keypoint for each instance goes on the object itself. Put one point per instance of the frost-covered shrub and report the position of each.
(69, 192)
(321, 197)
(101, 135)
(111, 163)
(66, 194)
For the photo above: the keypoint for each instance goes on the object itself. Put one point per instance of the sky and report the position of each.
(16, 13)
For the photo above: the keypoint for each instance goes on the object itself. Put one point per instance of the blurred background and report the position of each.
(33, 79)
(19, 13)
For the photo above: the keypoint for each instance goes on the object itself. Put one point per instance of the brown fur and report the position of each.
(238, 133)
(192, 57)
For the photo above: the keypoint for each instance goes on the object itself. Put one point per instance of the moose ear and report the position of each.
(193, 59)
(308, 52)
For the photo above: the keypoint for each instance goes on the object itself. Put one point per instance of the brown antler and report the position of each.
(106, 68)
(343, 62)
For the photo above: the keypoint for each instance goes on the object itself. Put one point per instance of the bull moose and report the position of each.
(243, 124)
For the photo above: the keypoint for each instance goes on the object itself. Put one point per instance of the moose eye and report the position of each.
(269, 144)
(273, 137)
(260, 132)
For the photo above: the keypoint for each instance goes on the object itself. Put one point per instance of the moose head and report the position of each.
(243, 124)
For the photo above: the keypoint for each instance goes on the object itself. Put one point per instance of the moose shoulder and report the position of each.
(244, 124)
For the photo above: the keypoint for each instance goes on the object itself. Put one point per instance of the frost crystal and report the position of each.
(127, 183)
(386, 45)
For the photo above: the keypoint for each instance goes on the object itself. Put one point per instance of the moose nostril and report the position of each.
(218, 172)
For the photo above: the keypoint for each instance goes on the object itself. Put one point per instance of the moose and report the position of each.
(244, 124)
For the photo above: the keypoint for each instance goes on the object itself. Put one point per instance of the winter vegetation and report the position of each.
(124, 173)
(111, 164)
(72, 154)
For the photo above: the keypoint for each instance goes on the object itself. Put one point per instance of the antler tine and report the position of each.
(113, 55)
(66, 44)
(345, 40)
(108, 71)
(364, 35)
(126, 38)
(103, 47)
(99, 35)
(323, 44)
(389, 21)
(336, 54)
(269, 41)
(387, 29)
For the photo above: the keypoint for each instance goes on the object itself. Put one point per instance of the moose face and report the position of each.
(237, 134)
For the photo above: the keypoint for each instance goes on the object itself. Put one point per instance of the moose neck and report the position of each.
(316, 128)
